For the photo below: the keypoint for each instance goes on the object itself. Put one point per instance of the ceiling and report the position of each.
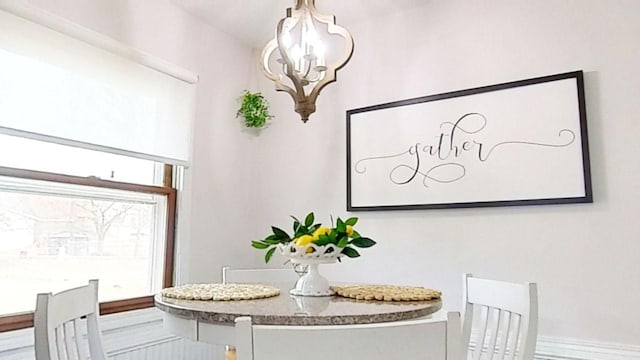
(253, 21)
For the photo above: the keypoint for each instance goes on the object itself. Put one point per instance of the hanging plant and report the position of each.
(254, 109)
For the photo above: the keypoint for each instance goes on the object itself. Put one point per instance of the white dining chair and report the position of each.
(59, 327)
(500, 319)
(239, 276)
(424, 338)
(265, 276)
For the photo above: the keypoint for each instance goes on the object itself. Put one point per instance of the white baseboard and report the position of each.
(552, 348)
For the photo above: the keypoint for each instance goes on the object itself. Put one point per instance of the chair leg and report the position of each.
(244, 338)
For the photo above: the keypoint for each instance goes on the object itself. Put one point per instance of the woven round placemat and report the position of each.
(387, 292)
(221, 292)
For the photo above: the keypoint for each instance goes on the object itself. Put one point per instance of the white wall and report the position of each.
(586, 258)
(211, 225)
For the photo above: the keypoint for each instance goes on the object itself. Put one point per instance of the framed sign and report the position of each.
(518, 143)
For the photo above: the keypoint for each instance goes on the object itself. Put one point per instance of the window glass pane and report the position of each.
(21, 153)
(57, 236)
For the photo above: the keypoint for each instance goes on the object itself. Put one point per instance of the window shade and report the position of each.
(56, 88)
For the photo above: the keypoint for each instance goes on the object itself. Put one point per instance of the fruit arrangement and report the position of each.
(311, 239)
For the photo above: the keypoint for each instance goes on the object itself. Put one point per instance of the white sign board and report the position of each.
(519, 143)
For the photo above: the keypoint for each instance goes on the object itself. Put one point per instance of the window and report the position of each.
(58, 231)
(91, 134)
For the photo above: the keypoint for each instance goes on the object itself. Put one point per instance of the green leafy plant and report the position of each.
(254, 109)
(307, 232)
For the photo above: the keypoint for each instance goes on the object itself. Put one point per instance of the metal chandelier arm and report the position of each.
(276, 78)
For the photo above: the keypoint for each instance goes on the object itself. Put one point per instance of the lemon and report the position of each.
(304, 240)
(349, 230)
(321, 231)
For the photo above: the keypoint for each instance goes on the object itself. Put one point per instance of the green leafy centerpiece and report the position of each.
(313, 244)
(311, 240)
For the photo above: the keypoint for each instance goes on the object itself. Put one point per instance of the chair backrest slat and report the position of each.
(80, 348)
(504, 338)
(60, 344)
(500, 340)
(57, 324)
(95, 340)
(507, 322)
(493, 332)
(69, 348)
(512, 348)
(484, 322)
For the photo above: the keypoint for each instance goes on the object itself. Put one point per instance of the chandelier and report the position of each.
(300, 64)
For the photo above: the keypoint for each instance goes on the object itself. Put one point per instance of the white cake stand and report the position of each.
(312, 283)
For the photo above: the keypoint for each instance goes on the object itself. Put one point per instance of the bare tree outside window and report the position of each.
(103, 214)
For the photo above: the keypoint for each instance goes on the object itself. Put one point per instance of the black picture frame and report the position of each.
(370, 126)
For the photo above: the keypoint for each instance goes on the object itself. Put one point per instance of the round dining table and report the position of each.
(213, 321)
